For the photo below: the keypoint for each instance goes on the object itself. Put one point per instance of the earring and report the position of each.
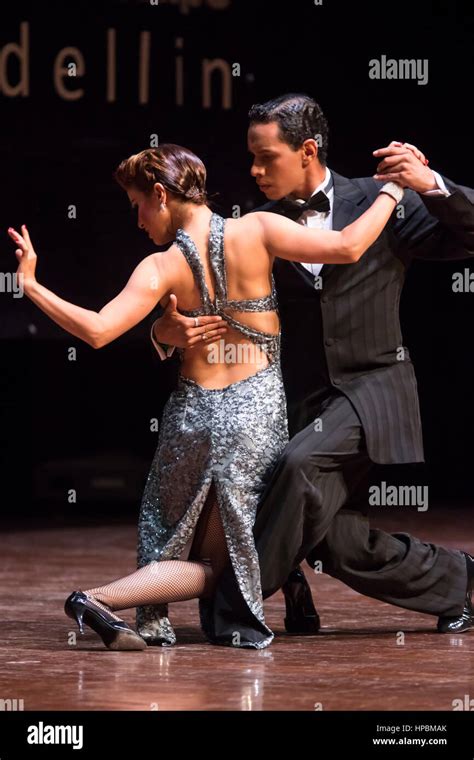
(162, 206)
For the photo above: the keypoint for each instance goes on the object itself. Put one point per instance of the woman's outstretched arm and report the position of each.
(295, 242)
(139, 296)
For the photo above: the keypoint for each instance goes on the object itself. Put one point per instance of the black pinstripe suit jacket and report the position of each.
(346, 336)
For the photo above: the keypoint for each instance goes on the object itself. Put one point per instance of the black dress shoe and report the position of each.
(465, 621)
(301, 616)
(115, 633)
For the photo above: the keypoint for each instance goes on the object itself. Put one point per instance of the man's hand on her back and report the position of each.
(174, 329)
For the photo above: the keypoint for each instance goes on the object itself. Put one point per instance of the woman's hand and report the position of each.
(25, 254)
(405, 164)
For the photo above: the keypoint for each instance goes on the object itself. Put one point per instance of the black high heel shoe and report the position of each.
(115, 633)
(301, 618)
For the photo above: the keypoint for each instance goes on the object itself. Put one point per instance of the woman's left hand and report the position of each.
(25, 253)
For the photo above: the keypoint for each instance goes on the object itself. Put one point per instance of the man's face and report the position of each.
(277, 167)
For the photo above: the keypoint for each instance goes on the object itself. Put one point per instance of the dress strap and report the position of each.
(217, 260)
(190, 253)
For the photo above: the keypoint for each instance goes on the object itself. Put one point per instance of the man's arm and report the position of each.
(434, 225)
(438, 228)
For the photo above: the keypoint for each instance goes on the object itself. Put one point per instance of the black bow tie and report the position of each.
(292, 209)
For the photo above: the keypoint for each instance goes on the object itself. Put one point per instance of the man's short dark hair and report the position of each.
(299, 118)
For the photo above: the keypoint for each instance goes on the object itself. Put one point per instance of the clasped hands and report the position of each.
(398, 162)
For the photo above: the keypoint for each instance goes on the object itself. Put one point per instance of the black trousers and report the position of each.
(315, 507)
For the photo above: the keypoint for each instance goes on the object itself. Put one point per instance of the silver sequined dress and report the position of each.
(232, 436)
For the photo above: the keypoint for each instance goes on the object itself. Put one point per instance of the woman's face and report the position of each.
(150, 216)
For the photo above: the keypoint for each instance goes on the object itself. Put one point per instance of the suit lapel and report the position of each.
(347, 199)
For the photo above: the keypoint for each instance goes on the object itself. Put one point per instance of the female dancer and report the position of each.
(224, 426)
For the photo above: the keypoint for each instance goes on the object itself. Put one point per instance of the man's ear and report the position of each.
(310, 151)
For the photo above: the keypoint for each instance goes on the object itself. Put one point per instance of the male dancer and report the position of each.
(351, 387)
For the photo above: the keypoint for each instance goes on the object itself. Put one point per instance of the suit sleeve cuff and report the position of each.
(441, 189)
(164, 351)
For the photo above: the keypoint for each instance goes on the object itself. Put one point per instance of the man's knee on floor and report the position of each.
(210, 580)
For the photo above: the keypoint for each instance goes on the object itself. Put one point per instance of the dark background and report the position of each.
(85, 424)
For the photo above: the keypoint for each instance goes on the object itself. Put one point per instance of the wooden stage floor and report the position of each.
(357, 663)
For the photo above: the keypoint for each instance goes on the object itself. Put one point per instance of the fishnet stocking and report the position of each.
(174, 580)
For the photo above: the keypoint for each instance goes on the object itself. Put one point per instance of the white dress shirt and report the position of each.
(320, 219)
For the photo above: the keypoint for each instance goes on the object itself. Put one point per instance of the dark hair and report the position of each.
(299, 118)
(177, 168)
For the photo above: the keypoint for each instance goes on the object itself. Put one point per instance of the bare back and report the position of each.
(224, 269)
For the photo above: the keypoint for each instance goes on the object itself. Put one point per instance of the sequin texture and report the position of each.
(232, 436)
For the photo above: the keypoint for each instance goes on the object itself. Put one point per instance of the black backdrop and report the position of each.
(85, 424)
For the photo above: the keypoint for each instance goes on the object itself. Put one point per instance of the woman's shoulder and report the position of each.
(244, 237)
(168, 263)
(243, 225)
(162, 258)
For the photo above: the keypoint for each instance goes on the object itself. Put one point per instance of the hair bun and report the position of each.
(178, 169)
(194, 194)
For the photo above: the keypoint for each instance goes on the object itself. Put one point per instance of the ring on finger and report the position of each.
(196, 321)
(204, 336)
